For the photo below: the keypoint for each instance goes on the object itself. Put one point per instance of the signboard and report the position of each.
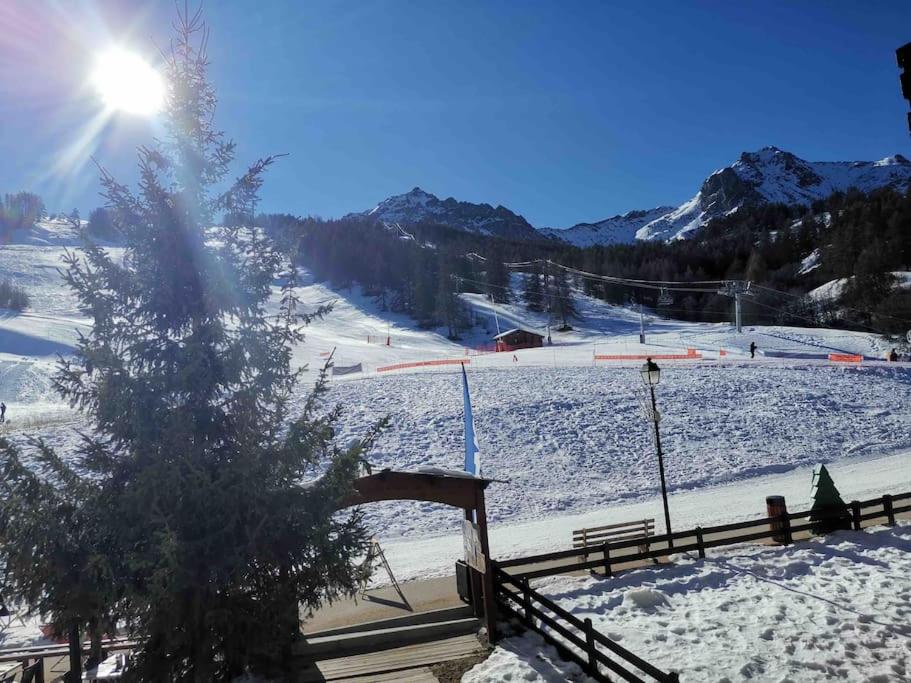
(346, 369)
(471, 540)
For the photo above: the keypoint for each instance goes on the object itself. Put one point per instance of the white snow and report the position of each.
(525, 658)
(680, 222)
(21, 631)
(614, 230)
(564, 431)
(858, 477)
(833, 289)
(835, 607)
(810, 263)
(573, 439)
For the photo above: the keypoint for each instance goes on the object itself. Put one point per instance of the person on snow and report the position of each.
(752, 349)
(2, 412)
(893, 356)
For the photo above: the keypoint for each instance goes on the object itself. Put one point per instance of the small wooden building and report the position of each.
(518, 339)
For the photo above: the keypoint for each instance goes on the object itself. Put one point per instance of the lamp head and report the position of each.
(651, 373)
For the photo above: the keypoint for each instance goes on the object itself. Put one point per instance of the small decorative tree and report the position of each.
(829, 511)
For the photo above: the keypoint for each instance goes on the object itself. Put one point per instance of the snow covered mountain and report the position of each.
(772, 175)
(614, 230)
(417, 206)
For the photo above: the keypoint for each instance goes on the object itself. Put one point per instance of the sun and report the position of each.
(127, 83)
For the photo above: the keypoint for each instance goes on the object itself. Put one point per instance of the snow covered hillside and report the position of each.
(614, 230)
(573, 439)
(833, 289)
(562, 429)
(773, 175)
(417, 206)
(832, 608)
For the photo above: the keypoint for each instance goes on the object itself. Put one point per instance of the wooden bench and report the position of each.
(594, 537)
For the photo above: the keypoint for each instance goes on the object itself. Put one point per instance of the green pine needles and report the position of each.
(198, 511)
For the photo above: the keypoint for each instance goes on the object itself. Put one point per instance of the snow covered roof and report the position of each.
(514, 330)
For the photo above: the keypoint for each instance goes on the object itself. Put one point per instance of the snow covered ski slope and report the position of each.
(560, 427)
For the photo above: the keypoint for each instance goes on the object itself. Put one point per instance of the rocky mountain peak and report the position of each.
(419, 206)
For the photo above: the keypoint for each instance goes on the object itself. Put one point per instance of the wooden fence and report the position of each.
(578, 641)
(32, 657)
(701, 538)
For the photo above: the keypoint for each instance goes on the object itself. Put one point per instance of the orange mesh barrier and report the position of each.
(845, 358)
(423, 364)
(653, 356)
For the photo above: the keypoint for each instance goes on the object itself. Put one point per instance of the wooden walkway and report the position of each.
(407, 663)
(385, 603)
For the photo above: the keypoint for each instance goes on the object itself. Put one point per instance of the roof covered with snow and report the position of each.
(514, 331)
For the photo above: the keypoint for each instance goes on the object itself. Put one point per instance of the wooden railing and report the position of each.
(781, 527)
(33, 656)
(578, 641)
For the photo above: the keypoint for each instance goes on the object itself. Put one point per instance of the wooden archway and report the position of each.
(456, 489)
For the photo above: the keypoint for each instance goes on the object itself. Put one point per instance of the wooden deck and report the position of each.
(407, 663)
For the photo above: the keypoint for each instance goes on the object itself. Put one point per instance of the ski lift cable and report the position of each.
(846, 308)
(487, 284)
(812, 320)
(641, 284)
(654, 282)
(676, 285)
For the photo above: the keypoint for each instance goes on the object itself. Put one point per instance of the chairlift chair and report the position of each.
(664, 297)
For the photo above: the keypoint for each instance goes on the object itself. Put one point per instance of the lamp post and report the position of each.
(651, 375)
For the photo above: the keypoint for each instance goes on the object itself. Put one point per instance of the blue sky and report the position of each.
(562, 111)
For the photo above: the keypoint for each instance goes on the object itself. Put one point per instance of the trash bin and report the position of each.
(776, 508)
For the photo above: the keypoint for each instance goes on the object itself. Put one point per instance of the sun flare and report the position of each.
(125, 82)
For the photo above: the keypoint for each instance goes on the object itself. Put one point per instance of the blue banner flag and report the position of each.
(472, 452)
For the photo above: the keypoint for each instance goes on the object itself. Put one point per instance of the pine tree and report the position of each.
(424, 285)
(198, 510)
(497, 277)
(532, 292)
(74, 220)
(60, 556)
(447, 304)
(561, 304)
(100, 224)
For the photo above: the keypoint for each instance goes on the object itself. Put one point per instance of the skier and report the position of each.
(2, 412)
(514, 359)
(893, 356)
(752, 349)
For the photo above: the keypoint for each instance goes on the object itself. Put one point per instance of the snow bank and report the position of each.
(525, 658)
(834, 607)
(21, 631)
